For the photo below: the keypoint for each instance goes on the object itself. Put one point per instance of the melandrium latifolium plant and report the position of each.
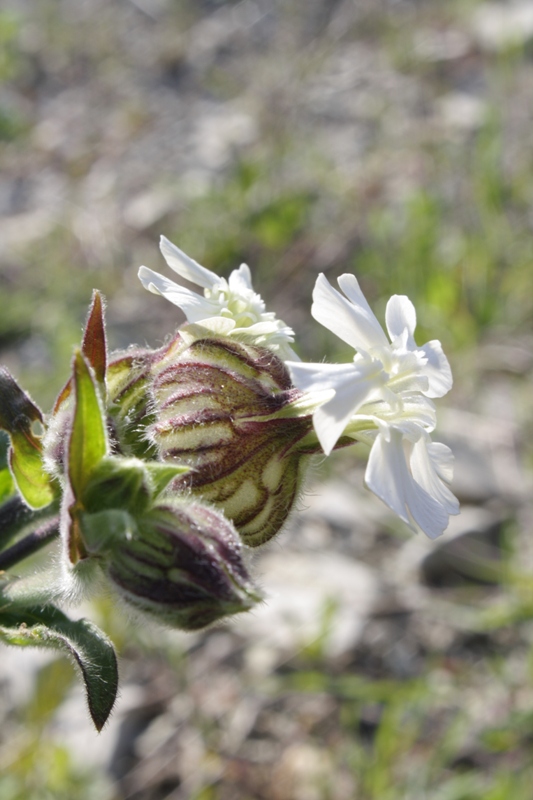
(158, 470)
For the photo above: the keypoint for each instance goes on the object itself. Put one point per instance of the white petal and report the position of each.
(220, 326)
(437, 370)
(400, 315)
(350, 286)
(269, 327)
(354, 324)
(187, 267)
(240, 280)
(332, 417)
(284, 351)
(442, 460)
(429, 460)
(315, 377)
(415, 409)
(154, 282)
(194, 306)
(389, 477)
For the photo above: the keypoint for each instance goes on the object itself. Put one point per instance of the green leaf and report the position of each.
(94, 346)
(91, 650)
(88, 438)
(17, 413)
(7, 485)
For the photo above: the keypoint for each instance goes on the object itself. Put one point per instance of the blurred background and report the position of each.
(389, 138)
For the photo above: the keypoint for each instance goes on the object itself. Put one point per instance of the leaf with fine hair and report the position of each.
(89, 648)
(17, 413)
(88, 438)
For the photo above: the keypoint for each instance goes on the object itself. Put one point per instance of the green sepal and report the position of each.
(126, 483)
(103, 530)
(91, 650)
(17, 413)
(94, 346)
(88, 437)
(128, 401)
(162, 474)
(117, 482)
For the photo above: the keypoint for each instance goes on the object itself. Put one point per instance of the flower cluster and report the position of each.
(160, 469)
(383, 397)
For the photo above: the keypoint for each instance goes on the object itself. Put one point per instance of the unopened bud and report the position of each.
(219, 407)
(128, 402)
(181, 564)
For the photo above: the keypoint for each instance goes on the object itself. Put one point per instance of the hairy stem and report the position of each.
(15, 516)
(29, 544)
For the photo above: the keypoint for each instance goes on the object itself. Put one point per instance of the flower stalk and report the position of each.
(29, 544)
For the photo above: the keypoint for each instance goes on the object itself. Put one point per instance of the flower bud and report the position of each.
(181, 564)
(128, 402)
(218, 408)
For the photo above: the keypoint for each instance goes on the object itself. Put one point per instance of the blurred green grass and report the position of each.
(465, 261)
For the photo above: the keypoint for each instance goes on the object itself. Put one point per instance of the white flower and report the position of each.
(227, 307)
(383, 397)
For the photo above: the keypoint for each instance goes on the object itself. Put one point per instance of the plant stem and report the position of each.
(29, 544)
(15, 516)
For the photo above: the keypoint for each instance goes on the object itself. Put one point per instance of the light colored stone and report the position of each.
(496, 26)
(308, 597)
(441, 45)
(147, 208)
(461, 111)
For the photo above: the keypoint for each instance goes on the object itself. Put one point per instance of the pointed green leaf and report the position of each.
(88, 438)
(92, 651)
(17, 413)
(94, 346)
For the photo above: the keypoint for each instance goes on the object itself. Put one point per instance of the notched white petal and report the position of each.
(240, 280)
(400, 316)
(332, 417)
(153, 282)
(319, 376)
(350, 286)
(187, 267)
(422, 505)
(437, 369)
(194, 306)
(427, 462)
(355, 325)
